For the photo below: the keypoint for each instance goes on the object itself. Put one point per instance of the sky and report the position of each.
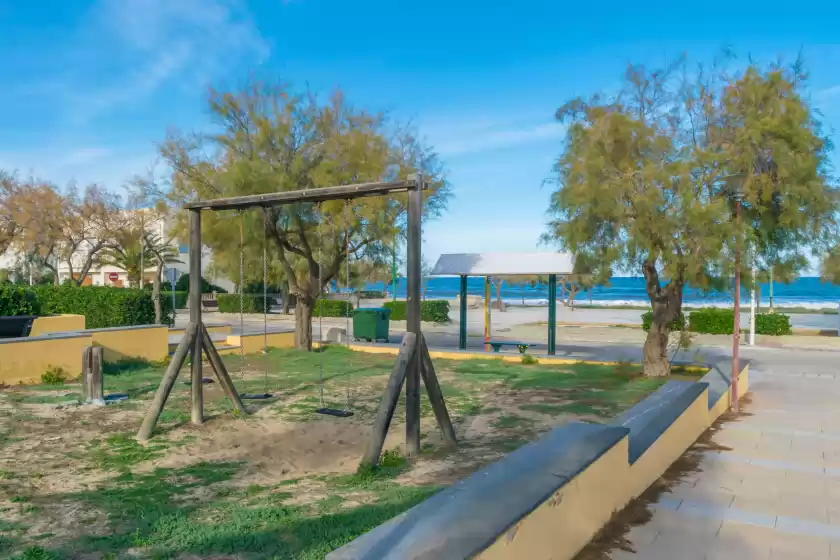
(89, 87)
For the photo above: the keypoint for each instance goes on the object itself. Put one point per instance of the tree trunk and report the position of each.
(303, 322)
(156, 295)
(758, 298)
(287, 298)
(655, 362)
(499, 295)
(571, 301)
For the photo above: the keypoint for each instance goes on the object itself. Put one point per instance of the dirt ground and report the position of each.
(75, 484)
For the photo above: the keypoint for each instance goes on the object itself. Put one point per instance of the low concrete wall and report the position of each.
(549, 498)
(23, 360)
(255, 342)
(144, 342)
(57, 324)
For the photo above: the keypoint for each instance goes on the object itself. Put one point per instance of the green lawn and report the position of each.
(278, 483)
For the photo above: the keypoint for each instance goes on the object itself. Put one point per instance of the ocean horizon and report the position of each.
(806, 292)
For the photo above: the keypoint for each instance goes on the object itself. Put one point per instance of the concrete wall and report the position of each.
(144, 342)
(23, 360)
(57, 324)
(549, 498)
(254, 342)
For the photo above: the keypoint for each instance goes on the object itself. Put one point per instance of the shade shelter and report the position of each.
(505, 264)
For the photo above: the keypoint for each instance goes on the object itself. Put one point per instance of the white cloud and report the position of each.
(476, 138)
(83, 156)
(827, 94)
(154, 43)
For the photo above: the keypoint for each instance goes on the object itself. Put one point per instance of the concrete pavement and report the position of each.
(771, 489)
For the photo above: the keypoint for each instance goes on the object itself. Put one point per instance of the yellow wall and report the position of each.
(254, 342)
(150, 343)
(25, 361)
(57, 323)
(566, 522)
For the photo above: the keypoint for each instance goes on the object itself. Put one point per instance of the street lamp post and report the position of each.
(736, 331)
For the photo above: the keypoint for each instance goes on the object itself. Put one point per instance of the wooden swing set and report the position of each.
(413, 360)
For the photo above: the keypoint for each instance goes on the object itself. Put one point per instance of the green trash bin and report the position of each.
(371, 324)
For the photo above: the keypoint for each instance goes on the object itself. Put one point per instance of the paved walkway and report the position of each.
(776, 492)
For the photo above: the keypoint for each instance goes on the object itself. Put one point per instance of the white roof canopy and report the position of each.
(503, 264)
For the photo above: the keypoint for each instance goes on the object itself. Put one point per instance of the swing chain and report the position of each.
(348, 404)
(265, 299)
(320, 309)
(241, 298)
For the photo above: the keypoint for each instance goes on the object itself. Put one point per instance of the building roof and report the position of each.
(503, 264)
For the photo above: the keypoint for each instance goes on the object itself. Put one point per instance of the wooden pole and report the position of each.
(167, 383)
(462, 330)
(552, 314)
(86, 355)
(435, 394)
(389, 400)
(95, 384)
(221, 371)
(487, 316)
(197, 387)
(412, 385)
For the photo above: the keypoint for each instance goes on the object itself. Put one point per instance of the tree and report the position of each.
(648, 180)
(584, 277)
(272, 138)
(126, 252)
(524, 281)
(830, 269)
(164, 254)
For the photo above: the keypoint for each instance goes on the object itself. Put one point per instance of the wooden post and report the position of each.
(86, 353)
(197, 387)
(435, 394)
(412, 385)
(221, 371)
(487, 316)
(167, 383)
(408, 349)
(462, 331)
(95, 384)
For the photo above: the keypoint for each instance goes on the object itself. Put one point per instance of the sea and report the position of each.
(806, 292)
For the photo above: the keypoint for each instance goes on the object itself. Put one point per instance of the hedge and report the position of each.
(181, 298)
(433, 311)
(229, 303)
(676, 325)
(102, 306)
(372, 294)
(712, 320)
(183, 285)
(18, 300)
(332, 308)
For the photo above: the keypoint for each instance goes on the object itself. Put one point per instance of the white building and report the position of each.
(110, 275)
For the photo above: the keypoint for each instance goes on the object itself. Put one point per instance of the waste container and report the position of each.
(371, 324)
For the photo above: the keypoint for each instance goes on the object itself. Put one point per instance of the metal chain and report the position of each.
(241, 298)
(320, 311)
(265, 300)
(348, 403)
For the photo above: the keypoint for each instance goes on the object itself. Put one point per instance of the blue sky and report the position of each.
(88, 86)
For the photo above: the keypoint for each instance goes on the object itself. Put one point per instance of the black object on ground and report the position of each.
(335, 412)
(18, 326)
(256, 396)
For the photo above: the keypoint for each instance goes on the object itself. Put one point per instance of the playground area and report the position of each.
(280, 482)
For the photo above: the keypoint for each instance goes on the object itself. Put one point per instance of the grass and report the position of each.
(204, 508)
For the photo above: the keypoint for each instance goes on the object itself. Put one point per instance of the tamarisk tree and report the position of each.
(648, 181)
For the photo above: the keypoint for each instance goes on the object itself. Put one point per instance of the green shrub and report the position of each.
(183, 285)
(775, 324)
(54, 376)
(677, 324)
(181, 298)
(17, 300)
(711, 320)
(372, 294)
(332, 308)
(433, 311)
(529, 360)
(102, 306)
(229, 303)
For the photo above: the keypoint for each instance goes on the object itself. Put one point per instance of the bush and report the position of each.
(677, 324)
(102, 306)
(181, 299)
(17, 300)
(775, 324)
(529, 360)
(54, 376)
(711, 321)
(433, 311)
(257, 288)
(332, 308)
(183, 285)
(372, 294)
(229, 303)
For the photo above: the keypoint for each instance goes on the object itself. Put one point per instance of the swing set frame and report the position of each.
(413, 360)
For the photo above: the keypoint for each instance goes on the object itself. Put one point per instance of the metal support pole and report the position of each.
(412, 384)
(487, 315)
(394, 272)
(752, 307)
(736, 327)
(197, 387)
(552, 314)
(462, 331)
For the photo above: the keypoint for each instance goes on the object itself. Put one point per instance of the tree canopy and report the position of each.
(269, 137)
(648, 180)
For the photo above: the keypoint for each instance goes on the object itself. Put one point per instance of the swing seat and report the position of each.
(335, 412)
(256, 396)
(204, 381)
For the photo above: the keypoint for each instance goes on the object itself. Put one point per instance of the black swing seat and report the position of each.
(335, 412)
(204, 381)
(256, 396)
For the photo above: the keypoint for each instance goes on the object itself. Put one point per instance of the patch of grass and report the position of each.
(120, 452)
(512, 421)
(37, 553)
(543, 408)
